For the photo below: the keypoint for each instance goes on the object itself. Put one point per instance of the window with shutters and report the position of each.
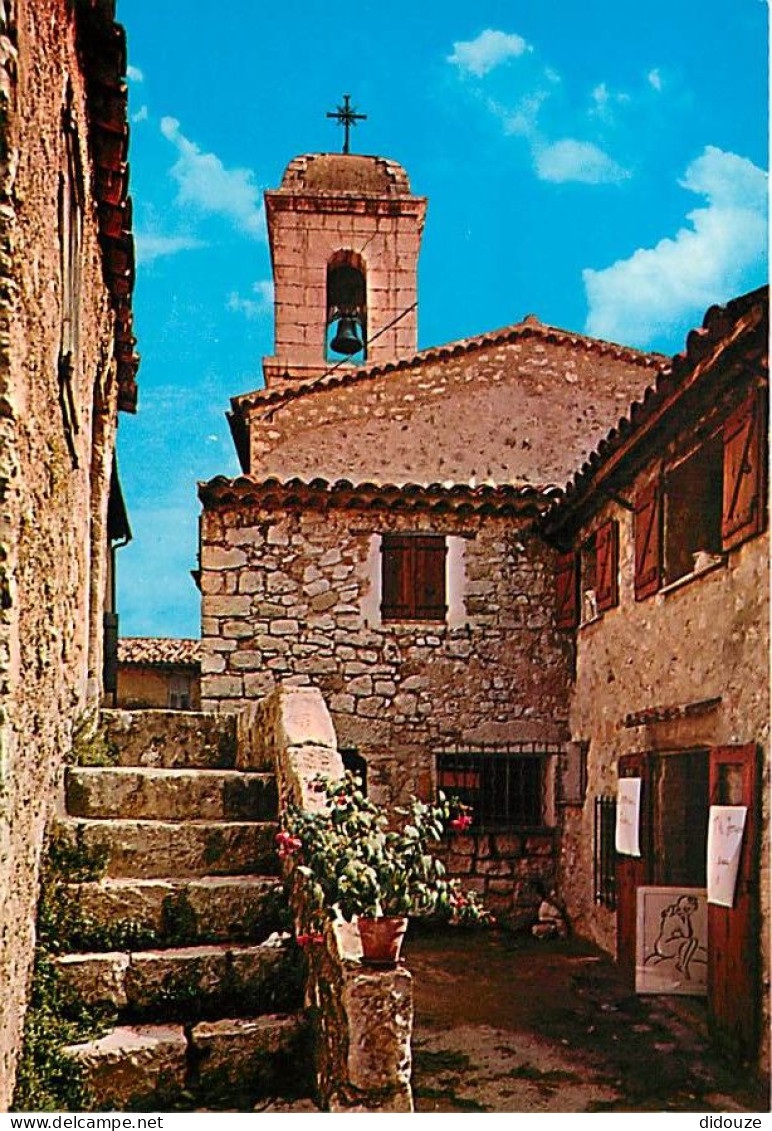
(413, 577)
(692, 518)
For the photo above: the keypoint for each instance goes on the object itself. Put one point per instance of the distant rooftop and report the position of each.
(162, 651)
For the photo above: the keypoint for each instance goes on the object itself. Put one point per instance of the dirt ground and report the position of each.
(507, 1023)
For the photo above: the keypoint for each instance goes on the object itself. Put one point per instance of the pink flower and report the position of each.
(460, 823)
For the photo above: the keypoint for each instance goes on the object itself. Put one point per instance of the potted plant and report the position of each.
(354, 863)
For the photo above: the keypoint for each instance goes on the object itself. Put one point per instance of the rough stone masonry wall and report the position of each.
(705, 639)
(45, 502)
(291, 598)
(528, 410)
(364, 1016)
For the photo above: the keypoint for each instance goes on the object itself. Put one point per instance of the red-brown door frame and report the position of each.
(733, 1005)
(633, 871)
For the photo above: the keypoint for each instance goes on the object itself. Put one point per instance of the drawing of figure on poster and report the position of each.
(672, 943)
(677, 941)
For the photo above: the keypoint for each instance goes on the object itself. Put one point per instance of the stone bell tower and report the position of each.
(344, 233)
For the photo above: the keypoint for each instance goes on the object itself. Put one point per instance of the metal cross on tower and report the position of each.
(347, 117)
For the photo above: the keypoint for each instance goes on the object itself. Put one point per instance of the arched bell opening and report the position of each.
(346, 333)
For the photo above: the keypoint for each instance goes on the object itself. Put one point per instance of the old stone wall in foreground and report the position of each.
(49, 486)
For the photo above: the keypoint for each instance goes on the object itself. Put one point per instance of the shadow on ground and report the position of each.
(508, 1023)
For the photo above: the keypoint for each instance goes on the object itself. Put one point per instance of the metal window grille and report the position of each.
(604, 860)
(505, 786)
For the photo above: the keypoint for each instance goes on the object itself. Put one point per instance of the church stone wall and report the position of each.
(289, 598)
(527, 410)
(51, 582)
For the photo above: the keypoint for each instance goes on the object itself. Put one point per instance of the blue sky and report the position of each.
(599, 164)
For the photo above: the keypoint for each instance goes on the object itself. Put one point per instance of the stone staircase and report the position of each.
(180, 942)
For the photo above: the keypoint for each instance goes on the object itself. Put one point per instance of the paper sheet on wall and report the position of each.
(627, 837)
(726, 825)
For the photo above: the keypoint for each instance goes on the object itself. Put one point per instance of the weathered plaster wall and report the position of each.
(46, 501)
(289, 597)
(706, 638)
(150, 686)
(527, 410)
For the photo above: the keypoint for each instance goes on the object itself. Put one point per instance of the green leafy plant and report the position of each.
(354, 863)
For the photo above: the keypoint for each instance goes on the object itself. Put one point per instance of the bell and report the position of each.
(347, 340)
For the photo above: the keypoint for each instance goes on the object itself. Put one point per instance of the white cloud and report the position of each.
(708, 260)
(654, 78)
(603, 101)
(141, 115)
(206, 184)
(490, 49)
(150, 247)
(253, 307)
(572, 160)
(134, 74)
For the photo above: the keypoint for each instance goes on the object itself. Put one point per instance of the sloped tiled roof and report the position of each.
(470, 498)
(158, 650)
(530, 327)
(723, 328)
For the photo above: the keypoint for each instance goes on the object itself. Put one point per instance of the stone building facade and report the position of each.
(67, 364)
(672, 650)
(292, 580)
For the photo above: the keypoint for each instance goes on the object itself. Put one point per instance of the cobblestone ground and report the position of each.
(509, 1024)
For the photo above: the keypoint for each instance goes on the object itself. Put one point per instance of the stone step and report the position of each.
(148, 849)
(229, 1063)
(249, 1058)
(171, 739)
(189, 983)
(169, 795)
(142, 1067)
(181, 911)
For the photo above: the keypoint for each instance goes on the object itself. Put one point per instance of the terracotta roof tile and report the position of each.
(158, 650)
(498, 498)
(722, 326)
(530, 327)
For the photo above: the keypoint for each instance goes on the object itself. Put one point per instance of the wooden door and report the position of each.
(732, 931)
(632, 871)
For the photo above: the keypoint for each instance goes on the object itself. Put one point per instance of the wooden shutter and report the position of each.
(567, 590)
(396, 577)
(648, 536)
(607, 565)
(413, 577)
(743, 513)
(429, 552)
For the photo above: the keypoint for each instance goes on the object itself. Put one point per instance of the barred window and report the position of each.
(506, 787)
(604, 856)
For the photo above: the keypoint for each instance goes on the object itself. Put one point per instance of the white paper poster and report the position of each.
(627, 839)
(726, 825)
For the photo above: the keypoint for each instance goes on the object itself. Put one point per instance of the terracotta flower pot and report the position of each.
(382, 939)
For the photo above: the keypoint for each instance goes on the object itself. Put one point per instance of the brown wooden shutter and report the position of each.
(607, 565)
(647, 534)
(567, 591)
(743, 513)
(429, 577)
(396, 577)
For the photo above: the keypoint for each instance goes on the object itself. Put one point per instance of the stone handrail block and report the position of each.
(364, 1015)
